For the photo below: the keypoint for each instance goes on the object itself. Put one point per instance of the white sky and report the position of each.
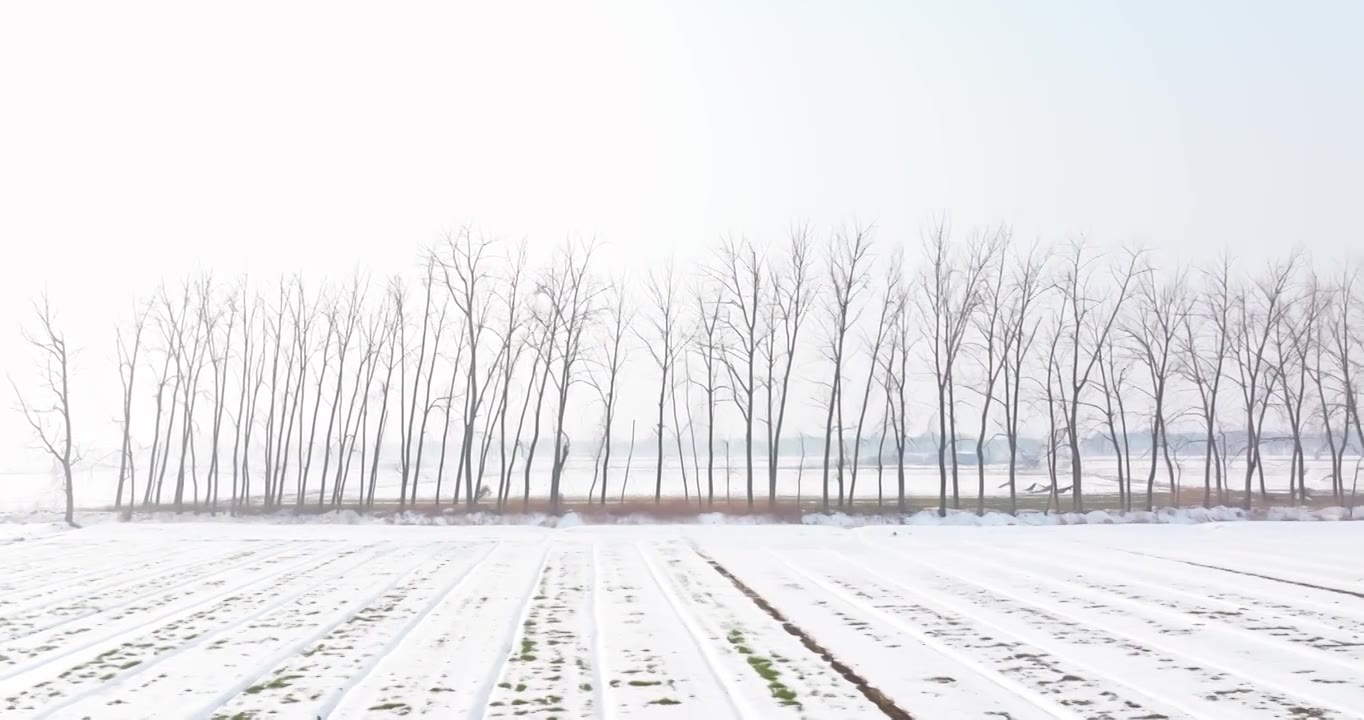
(140, 141)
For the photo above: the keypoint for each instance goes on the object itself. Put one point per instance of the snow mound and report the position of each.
(1164, 516)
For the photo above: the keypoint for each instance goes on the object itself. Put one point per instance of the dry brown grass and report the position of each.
(785, 510)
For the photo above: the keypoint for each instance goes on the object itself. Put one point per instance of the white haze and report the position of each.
(145, 141)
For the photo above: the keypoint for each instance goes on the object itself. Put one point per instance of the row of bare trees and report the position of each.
(316, 397)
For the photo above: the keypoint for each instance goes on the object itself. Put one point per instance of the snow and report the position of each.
(1175, 615)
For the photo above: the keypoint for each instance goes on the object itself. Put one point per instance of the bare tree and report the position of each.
(1054, 390)
(375, 330)
(596, 468)
(127, 375)
(191, 363)
(492, 382)
(711, 352)
(727, 474)
(1113, 369)
(881, 447)
(276, 331)
(683, 381)
(664, 344)
(465, 273)
(536, 390)
(691, 420)
(410, 410)
(174, 330)
(345, 332)
(448, 403)
(50, 417)
(989, 325)
(427, 406)
(896, 368)
(608, 363)
(789, 305)
(305, 317)
(1020, 331)
(1258, 311)
(740, 273)
(242, 418)
(164, 312)
(629, 458)
(884, 323)
(512, 344)
(1333, 342)
(484, 389)
(571, 294)
(1088, 317)
(299, 352)
(1207, 337)
(544, 339)
(219, 356)
(1161, 312)
(951, 294)
(1347, 341)
(397, 294)
(848, 277)
(246, 418)
(1293, 341)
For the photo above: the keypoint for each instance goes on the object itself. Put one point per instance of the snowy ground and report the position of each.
(230, 620)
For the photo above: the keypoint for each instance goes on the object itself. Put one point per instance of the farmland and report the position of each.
(238, 621)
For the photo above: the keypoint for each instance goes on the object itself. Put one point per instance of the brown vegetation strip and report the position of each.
(1247, 573)
(878, 698)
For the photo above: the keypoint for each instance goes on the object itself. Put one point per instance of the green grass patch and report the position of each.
(763, 666)
(282, 681)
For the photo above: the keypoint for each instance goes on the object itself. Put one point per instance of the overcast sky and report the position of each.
(144, 140)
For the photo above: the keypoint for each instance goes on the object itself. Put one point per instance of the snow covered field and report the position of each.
(196, 620)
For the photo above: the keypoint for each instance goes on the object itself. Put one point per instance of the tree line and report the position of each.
(289, 396)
